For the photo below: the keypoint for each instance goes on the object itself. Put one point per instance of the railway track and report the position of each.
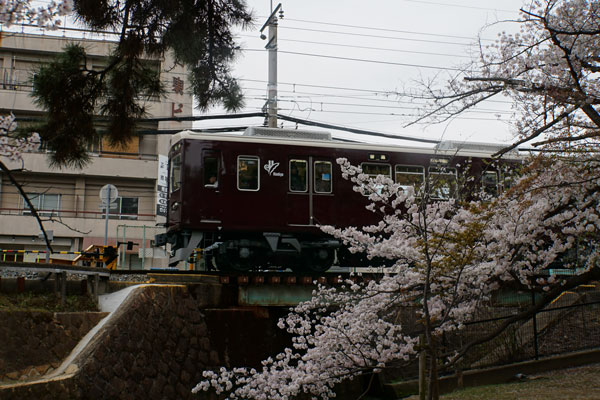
(272, 277)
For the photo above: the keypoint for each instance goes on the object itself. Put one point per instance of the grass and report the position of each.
(573, 383)
(45, 302)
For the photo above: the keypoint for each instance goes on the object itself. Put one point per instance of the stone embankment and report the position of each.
(35, 343)
(156, 344)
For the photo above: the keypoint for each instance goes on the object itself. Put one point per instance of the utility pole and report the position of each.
(271, 46)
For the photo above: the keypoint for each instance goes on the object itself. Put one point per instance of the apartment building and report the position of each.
(68, 199)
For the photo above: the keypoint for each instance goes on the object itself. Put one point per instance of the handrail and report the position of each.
(20, 211)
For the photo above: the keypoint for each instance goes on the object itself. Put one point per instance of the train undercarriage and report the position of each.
(246, 252)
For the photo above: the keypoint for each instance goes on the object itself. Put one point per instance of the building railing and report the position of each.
(22, 80)
(95, 152)
(16, 79)
(78, 214)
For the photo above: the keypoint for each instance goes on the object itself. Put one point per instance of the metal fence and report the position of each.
(570, 323)
(141, 255)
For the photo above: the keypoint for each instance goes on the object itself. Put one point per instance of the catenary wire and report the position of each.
(380, 62)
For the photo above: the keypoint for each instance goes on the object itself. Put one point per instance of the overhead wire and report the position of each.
(381, 62)
(363, 98)
(283, 27)
(369, 47)
(437, 3)
(283, 99)
(376, 113)
(382, 29)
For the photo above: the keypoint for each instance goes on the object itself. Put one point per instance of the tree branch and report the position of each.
(12, 179)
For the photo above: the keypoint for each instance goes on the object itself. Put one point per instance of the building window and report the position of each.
(47, 205)
(443, 182)
(122, 208)
(322, 177)
(298, 174)
(247, 173)
(128, 207)
(410, 176)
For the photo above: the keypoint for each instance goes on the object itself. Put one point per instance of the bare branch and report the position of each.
(34, 212)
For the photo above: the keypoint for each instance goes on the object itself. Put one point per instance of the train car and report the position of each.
(256, 200)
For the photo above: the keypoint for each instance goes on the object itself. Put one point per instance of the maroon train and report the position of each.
(255, 201)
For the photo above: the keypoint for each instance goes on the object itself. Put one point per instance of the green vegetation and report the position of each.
(45, 302)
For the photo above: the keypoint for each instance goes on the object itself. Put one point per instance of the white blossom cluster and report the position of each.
(549, 69)
(449, 258)
(12, 147)
(23, 11)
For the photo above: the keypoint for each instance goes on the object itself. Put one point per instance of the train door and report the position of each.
(298, 193)
(211, 177)
(322, 200)
(310, 192)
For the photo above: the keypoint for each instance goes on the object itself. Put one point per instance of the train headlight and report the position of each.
(175, 206)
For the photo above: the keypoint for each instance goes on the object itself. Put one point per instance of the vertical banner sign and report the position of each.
(162, 185)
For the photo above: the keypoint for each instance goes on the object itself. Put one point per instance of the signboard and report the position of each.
(162, 185)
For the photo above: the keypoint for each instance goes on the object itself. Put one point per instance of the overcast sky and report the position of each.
(400, 43)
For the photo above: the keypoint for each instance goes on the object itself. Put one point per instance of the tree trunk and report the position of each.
(434, 387)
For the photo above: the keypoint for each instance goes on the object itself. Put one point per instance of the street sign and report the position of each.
(109, 190)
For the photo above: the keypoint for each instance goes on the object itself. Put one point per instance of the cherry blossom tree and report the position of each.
(549, 69)
(449, 257)
(24, 11)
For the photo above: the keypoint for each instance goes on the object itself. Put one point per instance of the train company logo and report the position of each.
(271, 166)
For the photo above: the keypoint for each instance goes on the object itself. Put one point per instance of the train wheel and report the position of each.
(221, 262)
(317, 260)
(232, 262)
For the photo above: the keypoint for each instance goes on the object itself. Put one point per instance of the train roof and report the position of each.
(292, 137)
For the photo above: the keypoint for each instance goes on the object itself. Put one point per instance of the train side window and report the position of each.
(443, 183)
(247, 173)
(410, 176)
(211, 170)
(175, 173)
(373, 169)
(322, 177)
(298, 174)
(489, 182)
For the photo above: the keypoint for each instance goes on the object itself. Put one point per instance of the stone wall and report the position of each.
(34, 343)
(157, 344)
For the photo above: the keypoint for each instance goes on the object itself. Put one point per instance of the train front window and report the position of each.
(298, 173)
(322, 177)
(443, 183)
(175, 173)
(410, 176)
(211, 169)
(247, 173)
